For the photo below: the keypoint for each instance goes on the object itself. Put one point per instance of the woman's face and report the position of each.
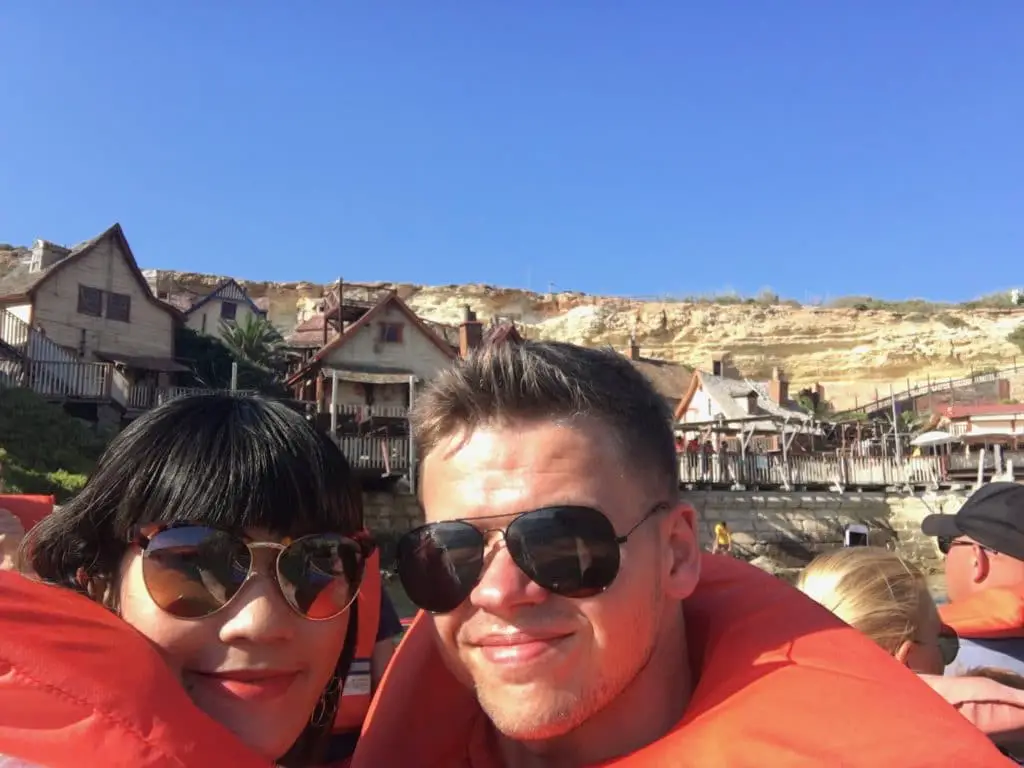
(256, 666)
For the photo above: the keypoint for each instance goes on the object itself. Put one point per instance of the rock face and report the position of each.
(851, 351)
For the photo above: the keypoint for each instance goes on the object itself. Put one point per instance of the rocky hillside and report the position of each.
(851, 350)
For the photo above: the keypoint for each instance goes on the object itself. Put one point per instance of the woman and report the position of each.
(887, 599)
(226, 530)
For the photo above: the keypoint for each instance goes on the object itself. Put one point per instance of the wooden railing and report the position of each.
(770, 471)
(81, 381)
(928, 387)
(13, 330)
(389, 454)
(365, 412)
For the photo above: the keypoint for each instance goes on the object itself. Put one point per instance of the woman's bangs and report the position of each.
(259, 468)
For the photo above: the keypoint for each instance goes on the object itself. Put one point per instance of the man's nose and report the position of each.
(503, 586)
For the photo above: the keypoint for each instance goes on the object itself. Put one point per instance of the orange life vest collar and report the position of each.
(782, 682)
(989, 614)
(358, 690)
(76, 681)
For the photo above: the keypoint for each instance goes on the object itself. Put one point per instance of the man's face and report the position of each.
(542, 664)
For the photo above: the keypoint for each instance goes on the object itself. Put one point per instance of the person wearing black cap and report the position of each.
(984, 547)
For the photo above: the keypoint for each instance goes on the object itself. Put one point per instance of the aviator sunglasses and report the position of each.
(192, 571)
(568, 550)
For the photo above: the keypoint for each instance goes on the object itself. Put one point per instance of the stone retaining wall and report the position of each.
(795, 526)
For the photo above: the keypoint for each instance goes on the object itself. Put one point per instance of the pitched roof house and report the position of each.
(723, 395)
(93, 300)
(228, 302)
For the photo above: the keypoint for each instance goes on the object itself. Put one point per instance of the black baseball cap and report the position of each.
(993, 516)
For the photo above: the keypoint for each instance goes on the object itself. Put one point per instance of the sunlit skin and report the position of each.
(922, 654)
(255, 666)
(971, 568)
(566, 681)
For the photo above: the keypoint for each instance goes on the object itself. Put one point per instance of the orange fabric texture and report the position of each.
(354, 706)
(781, 683)
(79, 687)
(990, 614)
(28, 509)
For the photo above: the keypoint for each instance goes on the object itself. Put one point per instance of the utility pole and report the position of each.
(341, 322)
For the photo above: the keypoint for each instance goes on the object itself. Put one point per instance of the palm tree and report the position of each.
(255, 340)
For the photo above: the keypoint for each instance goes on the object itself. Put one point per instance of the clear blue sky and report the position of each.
(637, 148)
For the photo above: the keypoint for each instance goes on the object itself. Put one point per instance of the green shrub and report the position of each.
(42, 449)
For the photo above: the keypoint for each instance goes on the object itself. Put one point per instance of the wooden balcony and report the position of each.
(142, 397)
(76, 381)
(388, 455)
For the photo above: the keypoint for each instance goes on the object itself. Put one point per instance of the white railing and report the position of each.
(13, 330)
(120, 387)
(367, 412)
(376, 452)
(83, 381)
(769, 470)
(172, 393)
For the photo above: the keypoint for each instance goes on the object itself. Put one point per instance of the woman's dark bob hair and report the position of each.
(220, 460)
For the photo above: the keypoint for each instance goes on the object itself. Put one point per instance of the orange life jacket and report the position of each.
(781, 682)
(989, 614)
(27, 508)
(76, 680)
(358, 690)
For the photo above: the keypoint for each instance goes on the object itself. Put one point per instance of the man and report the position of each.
(984, 547)
(574, 621)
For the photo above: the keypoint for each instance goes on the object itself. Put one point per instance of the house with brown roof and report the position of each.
(672, 380)
(228, 303)
(84, 321)
(375, 361)
(723, 401)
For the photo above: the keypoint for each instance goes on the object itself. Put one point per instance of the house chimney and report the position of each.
(471, 332)
(45, 254)
(778, 387)
(634, 348)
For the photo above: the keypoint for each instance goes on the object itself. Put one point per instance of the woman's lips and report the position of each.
(247, 685)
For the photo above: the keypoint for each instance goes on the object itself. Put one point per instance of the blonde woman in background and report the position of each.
(887, 598)
(11, 534)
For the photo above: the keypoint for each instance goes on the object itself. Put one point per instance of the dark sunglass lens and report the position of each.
(320, 574)
(191, 571)
(571, 551)
(439, 564)
(944, 543)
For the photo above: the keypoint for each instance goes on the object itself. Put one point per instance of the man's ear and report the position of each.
(682, 551)
(980, 564)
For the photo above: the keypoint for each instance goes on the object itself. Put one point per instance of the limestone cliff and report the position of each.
(851, 350)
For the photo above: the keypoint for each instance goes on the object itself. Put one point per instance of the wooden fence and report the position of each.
(770, 471)
(388, 454)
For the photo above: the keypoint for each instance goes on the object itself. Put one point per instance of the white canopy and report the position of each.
(929, 439)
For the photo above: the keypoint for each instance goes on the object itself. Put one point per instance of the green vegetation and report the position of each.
(42, 449)
(1016, 336)
(210, 361)
(255, 340)
(920, 309)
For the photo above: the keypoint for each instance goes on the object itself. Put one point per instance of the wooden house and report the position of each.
(84, 326)
(227, 303)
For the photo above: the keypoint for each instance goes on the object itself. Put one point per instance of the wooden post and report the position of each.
(334, 403)
(412, 445)
(234, 377)
(896, 426)
(341, 321)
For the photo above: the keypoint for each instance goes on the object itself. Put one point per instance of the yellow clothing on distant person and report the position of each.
(722, 536)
